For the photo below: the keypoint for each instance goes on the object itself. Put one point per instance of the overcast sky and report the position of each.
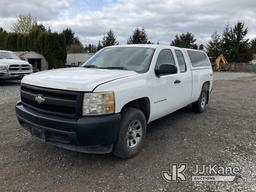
(162, 19)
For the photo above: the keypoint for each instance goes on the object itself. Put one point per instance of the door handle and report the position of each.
(177, 81)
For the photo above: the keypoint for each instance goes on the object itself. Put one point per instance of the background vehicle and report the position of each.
(220, 63)
(105, 105)
(11, 66)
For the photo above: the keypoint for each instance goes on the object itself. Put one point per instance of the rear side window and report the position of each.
(198, 59)
(165, 57)
(181, 61)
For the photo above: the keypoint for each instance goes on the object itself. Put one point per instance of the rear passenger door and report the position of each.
(184, 85)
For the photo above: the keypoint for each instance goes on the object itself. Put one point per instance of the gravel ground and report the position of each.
(231, 75)
(224, 135)
(9, 91)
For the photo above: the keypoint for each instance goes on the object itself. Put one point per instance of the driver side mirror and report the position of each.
(166, 69)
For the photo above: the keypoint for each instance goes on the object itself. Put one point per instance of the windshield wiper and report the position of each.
(121, 68)
(96, 67)
(90, 66)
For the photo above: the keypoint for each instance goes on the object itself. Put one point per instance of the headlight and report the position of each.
(98, 103)
(3, 67)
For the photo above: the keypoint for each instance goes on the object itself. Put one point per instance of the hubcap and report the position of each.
(134, 134)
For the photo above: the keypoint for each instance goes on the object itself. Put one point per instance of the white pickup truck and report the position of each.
(11, 66)
(105, 105)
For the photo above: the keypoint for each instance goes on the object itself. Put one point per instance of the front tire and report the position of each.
(132, 133)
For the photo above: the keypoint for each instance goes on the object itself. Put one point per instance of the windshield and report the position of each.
(125, 58)
(8, 55)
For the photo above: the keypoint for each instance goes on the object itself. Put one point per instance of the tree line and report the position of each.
(232, 42)
(27, 34)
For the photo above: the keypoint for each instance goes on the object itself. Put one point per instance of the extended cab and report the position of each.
(105, 105)
(11, 66)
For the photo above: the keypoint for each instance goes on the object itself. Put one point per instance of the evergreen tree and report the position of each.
(69, 36)
(94, 48)
(109, 39)
(76, 46)
(90, 48)
(51, 45)
(99, 46)
(33, 36)
(214, 45)
(2, 30)
(138, 37)
(40, 28)
(86, 48)
(55, 49)
(235, 45)
(11, 41)
(73, 43)
(185, 41)
(253, 46)
(3, 35)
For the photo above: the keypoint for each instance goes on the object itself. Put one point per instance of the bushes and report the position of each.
(51, 45)
(54, 49)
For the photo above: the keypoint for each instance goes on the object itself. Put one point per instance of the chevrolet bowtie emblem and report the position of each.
(40, 99)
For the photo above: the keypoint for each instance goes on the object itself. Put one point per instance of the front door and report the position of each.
(166, 88)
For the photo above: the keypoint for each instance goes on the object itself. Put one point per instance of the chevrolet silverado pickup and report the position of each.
(105, 105)
(11, 66)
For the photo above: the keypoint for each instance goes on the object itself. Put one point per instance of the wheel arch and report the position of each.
(142, 103)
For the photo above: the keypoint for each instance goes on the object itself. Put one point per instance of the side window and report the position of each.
(198, 59)
(165, 57)
(181, 61)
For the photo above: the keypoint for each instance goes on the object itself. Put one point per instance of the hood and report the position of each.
(13, 61)
(75, 79)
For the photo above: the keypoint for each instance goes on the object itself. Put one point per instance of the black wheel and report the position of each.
(200, 105)
(132, 133)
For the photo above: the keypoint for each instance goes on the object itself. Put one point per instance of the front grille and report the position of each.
(57, 102)
(19, 68)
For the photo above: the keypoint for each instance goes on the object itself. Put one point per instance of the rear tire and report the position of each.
(200, 105)
(132, 133)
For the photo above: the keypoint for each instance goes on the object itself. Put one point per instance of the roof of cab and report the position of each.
(144, 45)
(155, 46)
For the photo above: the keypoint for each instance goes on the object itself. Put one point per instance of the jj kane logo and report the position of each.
(178, 172)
